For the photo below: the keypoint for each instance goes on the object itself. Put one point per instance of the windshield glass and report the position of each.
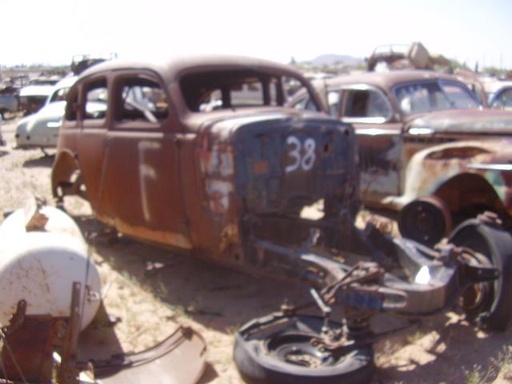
(434, 96)
(59, 95)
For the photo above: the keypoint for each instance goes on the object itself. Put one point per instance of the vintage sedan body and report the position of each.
(185, 152)
(419, 134)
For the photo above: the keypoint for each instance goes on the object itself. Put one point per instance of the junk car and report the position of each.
(8, 101)
(33, 97)
(41, 129)
(394, 57)
(502, 97)
(399, 56)
(201, 155)
(428, 148)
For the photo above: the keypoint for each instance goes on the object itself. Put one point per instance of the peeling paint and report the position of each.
(147, 173)
(219, 195)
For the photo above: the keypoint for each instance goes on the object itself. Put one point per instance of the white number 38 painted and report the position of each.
(302, 155)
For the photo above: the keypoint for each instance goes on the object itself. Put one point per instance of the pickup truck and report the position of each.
(202, 155)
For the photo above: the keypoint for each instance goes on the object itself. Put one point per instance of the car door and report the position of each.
(142, 163)
(91, 139)
(379, 138)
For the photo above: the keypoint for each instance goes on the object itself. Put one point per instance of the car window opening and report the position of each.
(206, 92)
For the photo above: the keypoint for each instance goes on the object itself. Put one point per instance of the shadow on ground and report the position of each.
(222, 299)
(43, 161)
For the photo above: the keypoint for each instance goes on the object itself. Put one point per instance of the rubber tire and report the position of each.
(495, 244)
(258, 364)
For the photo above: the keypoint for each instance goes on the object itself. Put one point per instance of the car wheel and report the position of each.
(492, 304)
(286, 353)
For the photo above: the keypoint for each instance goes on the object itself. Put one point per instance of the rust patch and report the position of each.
(260, 167)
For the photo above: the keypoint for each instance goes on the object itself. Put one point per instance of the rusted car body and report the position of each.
(400, 56)
(415, 56)
(190, 173)
(203, 156)
(423, 134)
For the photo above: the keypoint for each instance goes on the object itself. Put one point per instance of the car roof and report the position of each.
(37, 90)
(66, 82)
(385, 80)
(173, 68)
(496, 86)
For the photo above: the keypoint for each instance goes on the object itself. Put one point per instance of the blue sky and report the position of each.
(51, 31)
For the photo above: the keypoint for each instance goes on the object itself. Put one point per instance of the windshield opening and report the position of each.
(434, 96)
(223, 89)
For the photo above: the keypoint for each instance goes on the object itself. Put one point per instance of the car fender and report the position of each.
(64, 166)
(431, 169)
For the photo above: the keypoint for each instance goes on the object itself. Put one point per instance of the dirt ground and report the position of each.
(147, 292)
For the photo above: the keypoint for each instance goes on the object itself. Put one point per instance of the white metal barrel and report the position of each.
(41, 265)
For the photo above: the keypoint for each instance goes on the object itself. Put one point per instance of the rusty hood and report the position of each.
(275, 159)
(489, 153)
(468, 121)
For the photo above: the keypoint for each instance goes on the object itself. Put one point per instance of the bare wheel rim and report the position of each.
(297, 349)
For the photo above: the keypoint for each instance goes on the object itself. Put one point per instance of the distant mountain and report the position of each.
(332, 59)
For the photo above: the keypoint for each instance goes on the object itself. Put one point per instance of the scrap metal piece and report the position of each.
(27, 345)
(24, 353)
(179, 359)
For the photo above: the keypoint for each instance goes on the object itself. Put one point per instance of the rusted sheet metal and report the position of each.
(179, 359)
(466, 122)
(439, 160)
(217, 165)
(28, 345)
(430, 169)
(379, 151)
(398, 56)
(245, 168)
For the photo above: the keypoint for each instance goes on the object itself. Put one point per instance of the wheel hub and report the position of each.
(426, 220)
(299, 350)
